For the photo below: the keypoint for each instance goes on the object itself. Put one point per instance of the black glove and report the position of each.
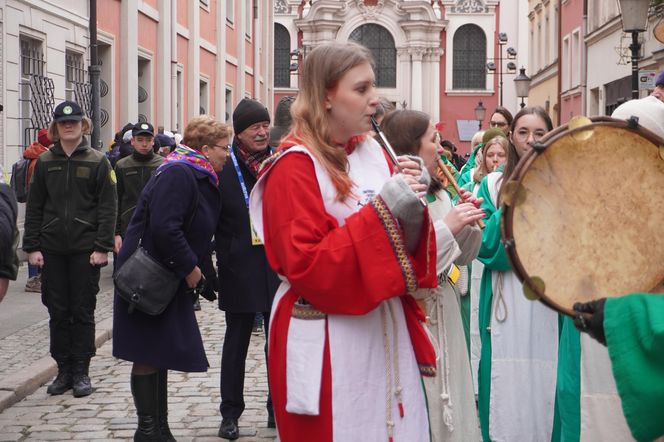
(198, 290)
(591, 319)
(210, 286)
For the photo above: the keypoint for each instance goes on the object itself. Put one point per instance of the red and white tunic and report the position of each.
(347, 363)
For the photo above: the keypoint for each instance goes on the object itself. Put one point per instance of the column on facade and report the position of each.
(432, 79)
(220, 95)
(129, 61)
(417, 80)
(403, 79)
(164, 48)
(194, 61)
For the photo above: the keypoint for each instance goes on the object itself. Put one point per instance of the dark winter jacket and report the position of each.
(8, 233)
(247, 283)
(133, 173)
(72, 203)
(172, 339)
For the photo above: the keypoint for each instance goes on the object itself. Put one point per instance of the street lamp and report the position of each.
(634, 20)
(480, 113)
(497, 68)
(522, 85)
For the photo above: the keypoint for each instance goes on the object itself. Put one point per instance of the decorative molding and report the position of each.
(469, 7)
(281, 7)
(370, 12)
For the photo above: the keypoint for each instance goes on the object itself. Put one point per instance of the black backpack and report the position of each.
(19, 180)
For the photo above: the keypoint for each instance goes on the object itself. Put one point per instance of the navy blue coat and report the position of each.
(171, 340)
(247, 283)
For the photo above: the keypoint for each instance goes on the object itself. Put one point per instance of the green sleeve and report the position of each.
(106, 208)
(492, 252)
(634, 329)
(471, 160)
(34, 209)
(119, 187)
(464, 177)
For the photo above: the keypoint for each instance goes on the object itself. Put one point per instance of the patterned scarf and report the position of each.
(253, 160)
(186, 155)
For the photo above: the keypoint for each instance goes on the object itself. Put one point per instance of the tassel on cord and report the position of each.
(400, 401)
(390, 431)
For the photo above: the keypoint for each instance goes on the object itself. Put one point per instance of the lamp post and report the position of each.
(480, 113)
(634, 20)
(497, 68)
(522, 85)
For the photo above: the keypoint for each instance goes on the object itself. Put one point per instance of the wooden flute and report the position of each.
(454, 184)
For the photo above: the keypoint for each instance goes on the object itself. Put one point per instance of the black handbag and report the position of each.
(143, 281)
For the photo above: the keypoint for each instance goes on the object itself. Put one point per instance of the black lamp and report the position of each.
(634, 20)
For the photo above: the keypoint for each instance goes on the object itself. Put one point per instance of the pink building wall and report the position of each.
(571, 18)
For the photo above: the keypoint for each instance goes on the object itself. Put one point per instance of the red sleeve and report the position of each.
(339, 270)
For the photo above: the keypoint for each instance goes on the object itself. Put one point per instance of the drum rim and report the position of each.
(522, 166)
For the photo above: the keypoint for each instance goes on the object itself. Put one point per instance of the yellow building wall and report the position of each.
(545, 94)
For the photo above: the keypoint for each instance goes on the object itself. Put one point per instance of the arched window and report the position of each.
(469, 59)
(281, 56)
(381, 44)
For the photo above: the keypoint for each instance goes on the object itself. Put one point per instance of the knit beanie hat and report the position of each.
(248, 112)
(492, 133)
(649, 111)
(42, 137)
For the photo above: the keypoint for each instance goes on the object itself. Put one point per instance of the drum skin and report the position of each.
(586, 219)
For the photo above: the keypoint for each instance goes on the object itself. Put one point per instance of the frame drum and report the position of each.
(583, 213)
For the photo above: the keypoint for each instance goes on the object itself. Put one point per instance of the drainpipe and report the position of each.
(174, 71)
(584, 60)
(94, 71)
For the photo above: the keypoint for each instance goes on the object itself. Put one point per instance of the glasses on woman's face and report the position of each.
(524, 134)
(226, 147)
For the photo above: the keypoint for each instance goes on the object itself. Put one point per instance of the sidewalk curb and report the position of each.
(17, 386)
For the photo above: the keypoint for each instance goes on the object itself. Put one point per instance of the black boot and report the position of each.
(145, 390)
(63, 381)
(166, 434)
(81, 380)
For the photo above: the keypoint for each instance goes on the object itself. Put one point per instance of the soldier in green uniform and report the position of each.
(133, 173)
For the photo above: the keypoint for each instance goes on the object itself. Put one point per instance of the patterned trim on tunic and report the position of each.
(427, 370)
(396, 241)
(306, 311)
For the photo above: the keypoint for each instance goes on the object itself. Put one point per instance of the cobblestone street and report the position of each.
(108, 414)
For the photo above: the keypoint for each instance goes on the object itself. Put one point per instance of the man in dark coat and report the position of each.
(8, 236)
(247, 284)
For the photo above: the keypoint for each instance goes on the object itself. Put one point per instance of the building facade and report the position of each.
(430, 56)
(543, 27)
(162, 61)
(572, 62)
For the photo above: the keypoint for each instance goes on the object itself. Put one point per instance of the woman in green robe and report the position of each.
(517, 372)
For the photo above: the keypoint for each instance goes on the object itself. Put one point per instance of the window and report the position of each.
(144, 90)
(229, 10)
(229, 105)
(469, 58)
(36, 98)
(381, 44)
(75, 75)
(567, 62)
(281, 56)
(249, 14)
(576, 57)
(203, 97)
(180, 99)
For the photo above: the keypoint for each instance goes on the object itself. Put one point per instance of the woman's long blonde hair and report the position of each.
(323, 68)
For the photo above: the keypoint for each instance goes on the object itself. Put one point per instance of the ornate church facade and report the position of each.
(433, 56)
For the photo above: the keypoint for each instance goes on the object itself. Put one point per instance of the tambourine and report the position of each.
(583, 213)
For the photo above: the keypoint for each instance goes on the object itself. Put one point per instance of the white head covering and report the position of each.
(126, 137)
(178, 138)
(649, 110)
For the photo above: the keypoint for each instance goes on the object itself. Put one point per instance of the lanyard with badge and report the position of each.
(255, 239)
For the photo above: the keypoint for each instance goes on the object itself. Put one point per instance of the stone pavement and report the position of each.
(108, 414)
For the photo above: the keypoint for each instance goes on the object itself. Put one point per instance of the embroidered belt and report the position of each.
(303, 310)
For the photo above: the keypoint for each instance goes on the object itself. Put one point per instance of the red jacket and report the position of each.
(32, 153)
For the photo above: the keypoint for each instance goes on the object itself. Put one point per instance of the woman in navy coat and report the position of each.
(180, 225)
